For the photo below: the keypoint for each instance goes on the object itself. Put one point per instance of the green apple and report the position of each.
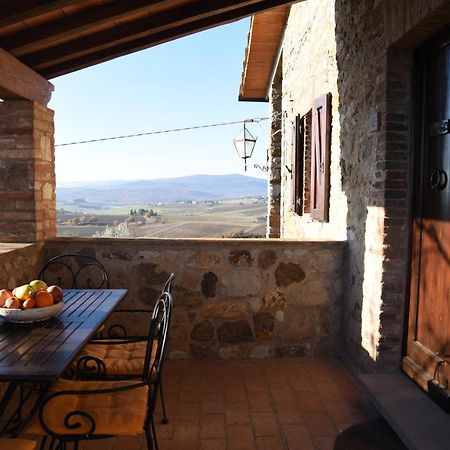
(23, 292)
(37, 285)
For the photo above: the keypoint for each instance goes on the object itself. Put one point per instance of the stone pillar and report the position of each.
(27, 172)
(274, 162)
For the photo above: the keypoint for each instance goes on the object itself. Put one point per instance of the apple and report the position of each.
(23, 292)
(56, 292)
(37, 285)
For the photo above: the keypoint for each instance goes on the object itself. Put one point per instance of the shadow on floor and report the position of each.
(375, 434)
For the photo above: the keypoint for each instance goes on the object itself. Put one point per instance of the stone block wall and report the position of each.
(234, 298)
(362, 52)
(27, 172)
(19, 264)
(309, 70)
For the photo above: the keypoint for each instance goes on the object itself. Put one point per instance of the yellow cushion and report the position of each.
(17, 444)
(118, 413)
(119, 359)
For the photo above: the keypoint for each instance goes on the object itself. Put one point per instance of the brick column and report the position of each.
(27, 172)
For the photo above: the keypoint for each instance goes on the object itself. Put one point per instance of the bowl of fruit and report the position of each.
(32, 302)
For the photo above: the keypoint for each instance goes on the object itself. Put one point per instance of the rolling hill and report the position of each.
(164, 190)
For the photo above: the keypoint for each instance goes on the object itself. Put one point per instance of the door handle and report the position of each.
(438, 179)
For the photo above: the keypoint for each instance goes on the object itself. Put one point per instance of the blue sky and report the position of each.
(187, 82)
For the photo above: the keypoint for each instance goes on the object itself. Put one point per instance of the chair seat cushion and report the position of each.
(17, 444)
(121, 358)
(118, 413)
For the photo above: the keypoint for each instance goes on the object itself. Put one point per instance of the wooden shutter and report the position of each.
(298, 165)
(320, 158)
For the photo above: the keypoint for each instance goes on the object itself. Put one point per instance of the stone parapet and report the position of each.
(233, 298)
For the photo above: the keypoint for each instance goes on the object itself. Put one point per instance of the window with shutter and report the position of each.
(298, 164)
(320, 158)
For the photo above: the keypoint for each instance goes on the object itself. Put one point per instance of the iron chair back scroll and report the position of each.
(75, 271)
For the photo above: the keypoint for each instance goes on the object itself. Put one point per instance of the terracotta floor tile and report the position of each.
(185, 438)
(310, 402)
(212, 426)
(237, 413)
(269, 443)
(319, 424)
(240, 437)
(265, 424)
(187, 414)
(260, 402)
(213, 444)
(339, 411)
(289, 404)
(288, 412)
(282, 393)
(324, 443)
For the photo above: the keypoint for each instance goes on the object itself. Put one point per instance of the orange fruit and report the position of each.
(43, 299)
(28, 304)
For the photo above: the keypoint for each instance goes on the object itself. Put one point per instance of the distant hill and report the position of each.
(165, 190)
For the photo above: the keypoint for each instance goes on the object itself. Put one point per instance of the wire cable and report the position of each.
(173, 130)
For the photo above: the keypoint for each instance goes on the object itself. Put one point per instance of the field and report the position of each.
(176, 220)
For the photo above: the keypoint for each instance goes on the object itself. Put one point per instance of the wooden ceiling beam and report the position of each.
(145, 33)
(14, 11)
(73, 26)
(19, 81)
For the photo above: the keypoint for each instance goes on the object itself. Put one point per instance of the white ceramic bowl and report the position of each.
(31, 315)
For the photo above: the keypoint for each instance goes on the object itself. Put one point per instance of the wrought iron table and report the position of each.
(40, 352)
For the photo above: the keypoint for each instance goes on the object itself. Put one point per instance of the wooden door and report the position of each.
(428, 339)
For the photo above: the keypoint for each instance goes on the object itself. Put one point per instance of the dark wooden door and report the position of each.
(428, 340)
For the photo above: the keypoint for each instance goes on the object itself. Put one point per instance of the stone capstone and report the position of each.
(286, 274)
(235, 332)
(209, 284)
(203, 331)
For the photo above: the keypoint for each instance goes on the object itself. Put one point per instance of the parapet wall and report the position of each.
(233, 298)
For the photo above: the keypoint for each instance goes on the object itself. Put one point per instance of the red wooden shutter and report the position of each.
(320, 158)
(298, 165)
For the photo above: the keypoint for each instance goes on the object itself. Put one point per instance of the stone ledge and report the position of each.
(6, 247)
(417, 420)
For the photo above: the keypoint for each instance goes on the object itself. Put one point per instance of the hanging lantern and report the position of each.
(244, 143)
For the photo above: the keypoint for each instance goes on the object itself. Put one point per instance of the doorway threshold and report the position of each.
(416, 419)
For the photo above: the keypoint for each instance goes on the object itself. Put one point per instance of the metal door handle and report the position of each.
(438, 179)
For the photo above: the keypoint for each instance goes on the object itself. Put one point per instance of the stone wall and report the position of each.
(19, 264)
(27, 172)
(234, 298)
(362, 52)
(309, 70)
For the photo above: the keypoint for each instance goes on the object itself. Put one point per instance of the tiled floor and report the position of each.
(292, 404)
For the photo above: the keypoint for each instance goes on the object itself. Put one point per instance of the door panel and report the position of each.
(428, 340)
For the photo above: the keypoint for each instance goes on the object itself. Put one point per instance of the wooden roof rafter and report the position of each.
(60, 36)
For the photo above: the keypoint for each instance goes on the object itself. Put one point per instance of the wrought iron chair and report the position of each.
(74, 271)
(119, 355)
(74, 410)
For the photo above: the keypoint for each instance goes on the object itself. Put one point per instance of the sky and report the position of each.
(187, 82)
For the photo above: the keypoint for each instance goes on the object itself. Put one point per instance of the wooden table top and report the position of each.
(41, 351)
